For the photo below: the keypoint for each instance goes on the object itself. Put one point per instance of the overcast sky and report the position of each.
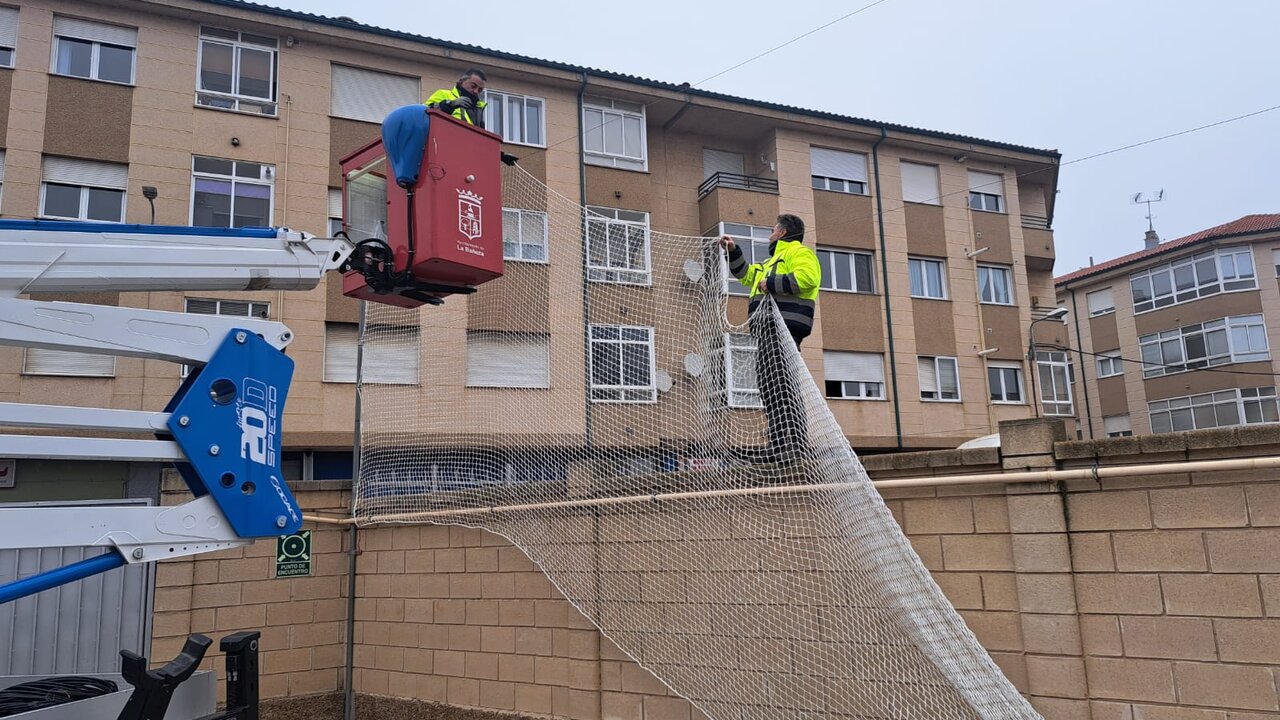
(1079, 76)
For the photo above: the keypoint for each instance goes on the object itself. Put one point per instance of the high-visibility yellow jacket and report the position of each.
(792, 276)
(474, 117)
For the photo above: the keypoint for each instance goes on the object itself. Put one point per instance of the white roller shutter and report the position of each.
(8, 27)
(853, 366)
(920, 183)
(94, 31)
(1116, 424)
(335, 203)
(390, 354)
(70, 171)
(512, 360)
(838, 164)
(40, 361)
(340, 352)
(928, 375)
(1101, 302)
(1, 166)
(368, 95)
(986, 183)
(714, 161)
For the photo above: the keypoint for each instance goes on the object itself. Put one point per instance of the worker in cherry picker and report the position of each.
(465, 101)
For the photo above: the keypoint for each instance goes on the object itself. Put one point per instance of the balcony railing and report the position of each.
(734, 181)
(1036, 222)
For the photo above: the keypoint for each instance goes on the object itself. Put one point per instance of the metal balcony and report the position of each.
(734, 181)
(1036, 222)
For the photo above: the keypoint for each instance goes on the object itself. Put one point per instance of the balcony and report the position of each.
(1035, 222)
(1037, 237)
(734, 181)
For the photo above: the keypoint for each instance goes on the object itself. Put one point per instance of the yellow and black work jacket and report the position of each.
(473, 117)
(792, 276)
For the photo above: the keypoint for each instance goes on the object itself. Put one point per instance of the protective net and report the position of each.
(598, 408)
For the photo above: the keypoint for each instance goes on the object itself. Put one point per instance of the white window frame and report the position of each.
(268, 107)
(86, 168)
(742, 346)
(1167, 353)
(623, 393)
(608, 218)
(1193, 267)
(1003, 368)
(518, 349)
(1106, 302)
(995, 271)
(836, 183)
(1051, 402)
(827, 259)
(264, 169)
(497, 104)
(924, 278)
(611, 110)
(95, 45)
(987, 195)
(1251, 406)
(1121, 425)
(851, 389)
(521, 241)
(938, 362)
(753, 240)
(255, 309)
(1110, 364)
(9, 34)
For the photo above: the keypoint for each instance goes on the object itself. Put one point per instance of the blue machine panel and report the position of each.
(226, 418)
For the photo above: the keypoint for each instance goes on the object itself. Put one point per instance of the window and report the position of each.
(1100, 302)
(742, 388)
(617, 246)
(1110, 364)
(928, 278)
(335, 212)
(93, 50)
(232, 308)
(1242, 406)
(8, 35)
(753, 240)
(995, 284)
(1242, 338)
(846, 271)
(1005, 381)
(839, 171)
(1117, 426)
(1194, 277)
(920, 184)
(41, 361)
(390, 354)
(517, 118)
(237, 71)
(614, 133)
(83, 190)
(986, 191)
(508, 359)
(230, 193)
(369, 96)
(2, 158)
(1055, 382)
(1275, 259)
(939, 379)
(853, 375)
(722, 161)
(524, 235)
(622, 364)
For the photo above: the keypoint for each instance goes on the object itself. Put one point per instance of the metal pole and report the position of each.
(348, 689)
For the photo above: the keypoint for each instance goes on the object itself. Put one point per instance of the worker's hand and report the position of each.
(463, 102)
(727, 243)
(763, 285)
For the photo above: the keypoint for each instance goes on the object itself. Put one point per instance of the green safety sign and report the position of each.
(293, 554)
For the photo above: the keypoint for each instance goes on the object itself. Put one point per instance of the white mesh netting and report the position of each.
(597, 408)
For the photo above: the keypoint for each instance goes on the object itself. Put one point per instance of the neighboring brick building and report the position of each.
(1178, 336)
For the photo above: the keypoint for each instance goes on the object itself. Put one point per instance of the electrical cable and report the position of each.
(1181, 367)
(39, 694)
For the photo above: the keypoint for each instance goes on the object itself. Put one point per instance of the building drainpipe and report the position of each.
(884, 276)
(1084, 382)
(353, 537)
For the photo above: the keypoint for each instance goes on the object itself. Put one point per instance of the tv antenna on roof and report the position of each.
(1148, 198)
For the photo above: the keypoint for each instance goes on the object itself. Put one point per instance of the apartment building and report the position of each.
(1178, 335)
(937, 248)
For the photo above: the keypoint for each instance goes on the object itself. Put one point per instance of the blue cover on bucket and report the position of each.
(404, 136)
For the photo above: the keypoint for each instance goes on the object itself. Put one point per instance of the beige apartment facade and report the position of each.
(237, 114)
(1178, 336)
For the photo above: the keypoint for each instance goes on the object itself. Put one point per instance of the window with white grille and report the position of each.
(237, 71)
(508, 359)
(8, 35)
(847, 271)
(1100, 302)
(617, 246)
(93, 51)
(74, 189)
(1191, 278)
(853, 375)
(986, 191)
(1005, 381)
(1242, 338)
(939, 379)
(622, 368)
(520, 119)
(1225, 408)
(231, 193)
(742, 387)
(928, 278)
(614, 133)
(1110, 364)
(995, 284)
(838, 170)
(753, 241)
(524, 235)
(1054, 372)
